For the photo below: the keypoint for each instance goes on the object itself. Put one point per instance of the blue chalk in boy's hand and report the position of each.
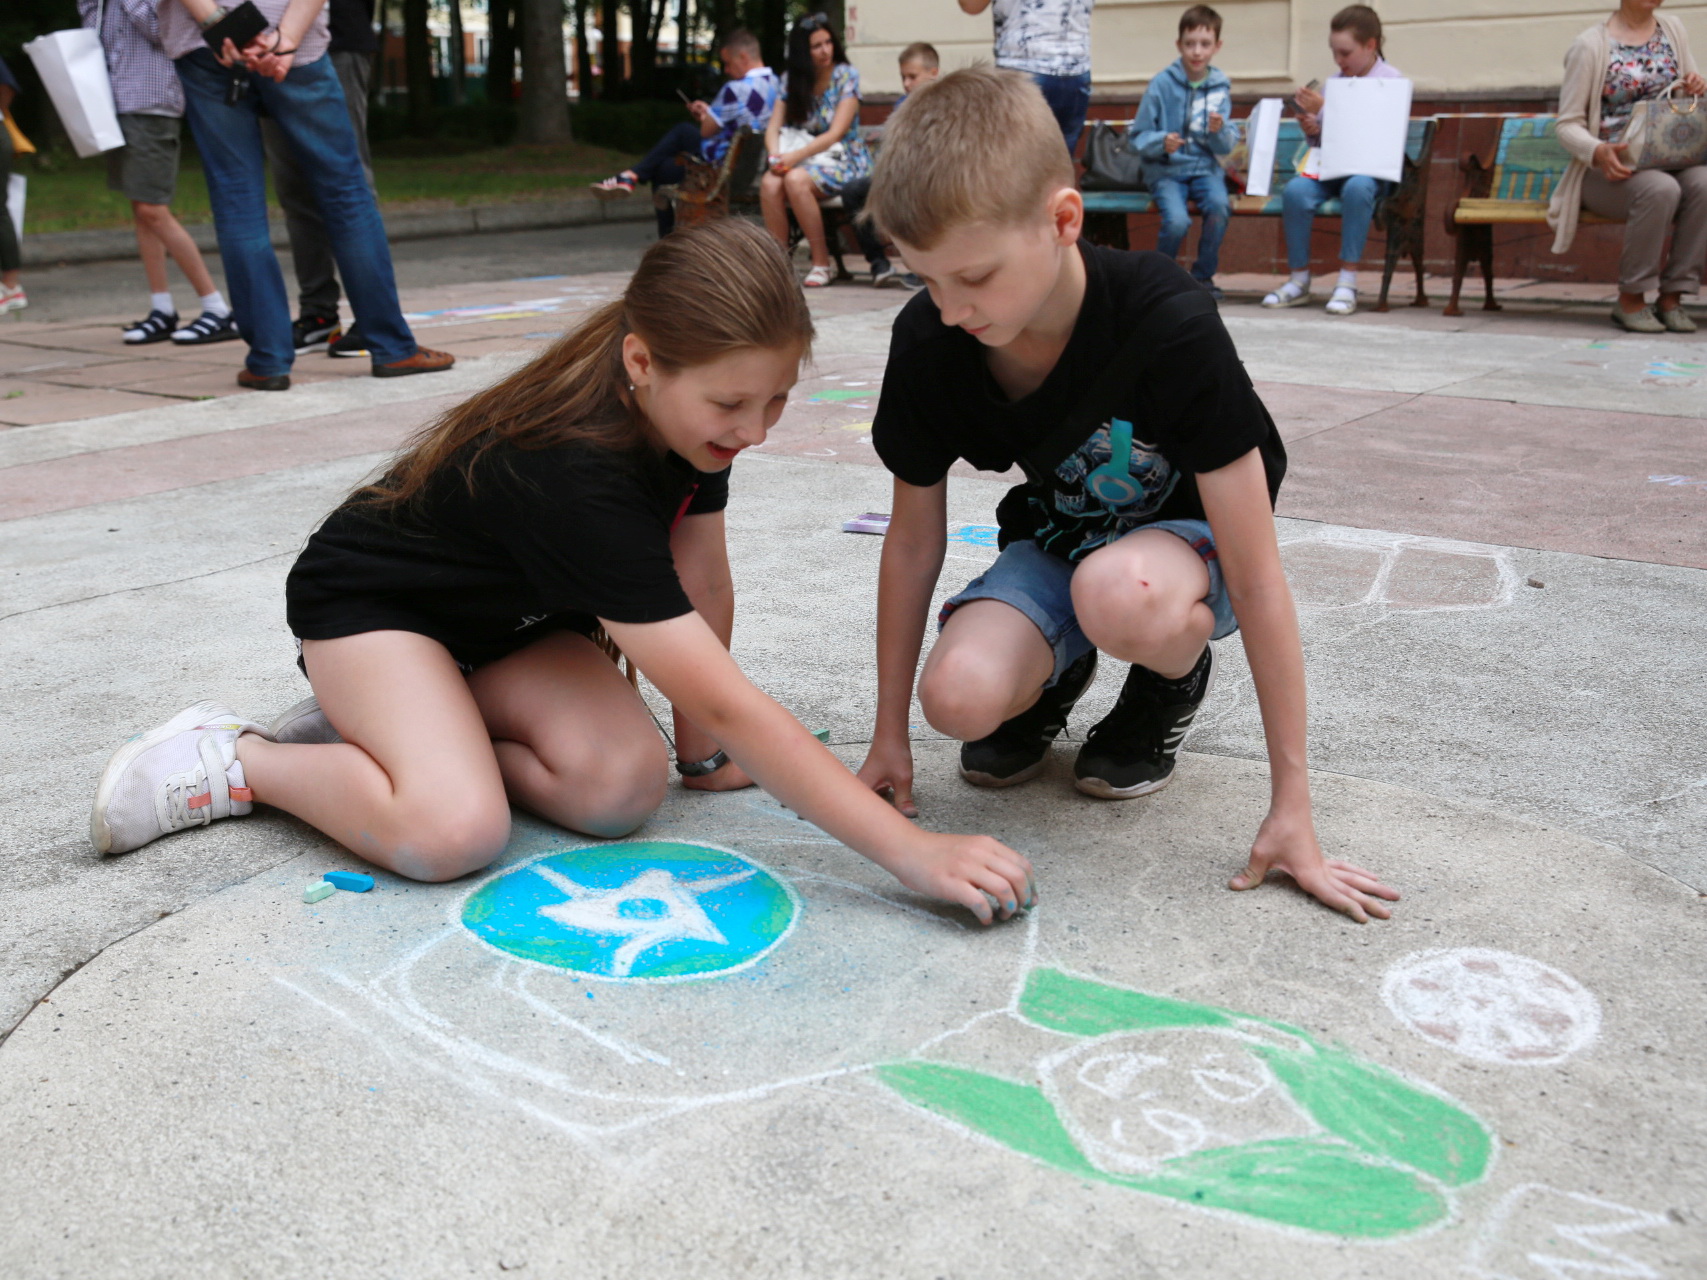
(354, 881)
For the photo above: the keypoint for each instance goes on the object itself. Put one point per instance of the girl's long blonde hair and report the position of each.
(698, 294)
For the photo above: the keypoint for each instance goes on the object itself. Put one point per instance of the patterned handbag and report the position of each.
(1664, 134)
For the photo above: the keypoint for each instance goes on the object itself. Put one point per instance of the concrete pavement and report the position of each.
(1500, 574)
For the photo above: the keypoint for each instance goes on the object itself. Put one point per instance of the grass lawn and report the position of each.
(72, 195)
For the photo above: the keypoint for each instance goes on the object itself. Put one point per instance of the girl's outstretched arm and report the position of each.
(684, 659)
(702, 563)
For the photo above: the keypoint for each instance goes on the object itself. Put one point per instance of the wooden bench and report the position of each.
(1400, 214)
(1510, 163)
(711, 191)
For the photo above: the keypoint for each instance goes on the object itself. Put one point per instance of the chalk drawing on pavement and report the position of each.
(1492, 1006)
(1679, 482)
(1538, 1232)
(644, 911)
(1214, 1109)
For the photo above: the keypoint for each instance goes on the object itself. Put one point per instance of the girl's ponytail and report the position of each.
(698, 294)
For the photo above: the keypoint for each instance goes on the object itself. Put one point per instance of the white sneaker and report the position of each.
(305, 722)
(1343, 302)
(12, 299)
(183, 774)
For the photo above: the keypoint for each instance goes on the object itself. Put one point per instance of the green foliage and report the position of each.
(625, 126)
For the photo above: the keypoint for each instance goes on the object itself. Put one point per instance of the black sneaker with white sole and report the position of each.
(311, 332)
(206, 328)
(1015, 752)
(1130, 751)
(157, 328)
(347, 345)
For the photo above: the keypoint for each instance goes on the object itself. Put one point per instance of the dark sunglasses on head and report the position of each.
(817, 22)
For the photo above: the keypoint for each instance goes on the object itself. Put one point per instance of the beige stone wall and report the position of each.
(1446, 46)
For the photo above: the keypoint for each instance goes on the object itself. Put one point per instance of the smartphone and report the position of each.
(240, 26)
(684, 97)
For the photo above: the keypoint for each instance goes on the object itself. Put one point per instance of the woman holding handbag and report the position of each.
(1615, 73)
(11, 292)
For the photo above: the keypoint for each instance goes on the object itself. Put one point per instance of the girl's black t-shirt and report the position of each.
(542, 540)
(1191, 409)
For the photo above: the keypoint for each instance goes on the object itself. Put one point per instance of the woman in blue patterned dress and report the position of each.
(814, 143)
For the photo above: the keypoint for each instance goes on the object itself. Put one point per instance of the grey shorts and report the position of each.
(1039, 585)
(146, 167)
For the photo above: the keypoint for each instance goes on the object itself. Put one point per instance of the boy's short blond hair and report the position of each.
(978, 145)
(923, 54)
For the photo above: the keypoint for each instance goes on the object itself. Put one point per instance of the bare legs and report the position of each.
(159, 233)
(778, 193)
(421, 783)
(1138, 600)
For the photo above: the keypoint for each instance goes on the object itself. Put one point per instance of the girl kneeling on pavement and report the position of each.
(446, 613)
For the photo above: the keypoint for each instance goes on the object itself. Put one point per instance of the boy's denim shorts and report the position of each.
(1039, 585)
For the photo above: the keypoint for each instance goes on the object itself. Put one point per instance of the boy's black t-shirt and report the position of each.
(1194, 409)
(548, 539)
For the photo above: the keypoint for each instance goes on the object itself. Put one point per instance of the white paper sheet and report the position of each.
(15, 202)
(1364, 123)
(1262, 131)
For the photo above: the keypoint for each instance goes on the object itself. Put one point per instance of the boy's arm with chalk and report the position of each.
(1236, 500)
(913, 551)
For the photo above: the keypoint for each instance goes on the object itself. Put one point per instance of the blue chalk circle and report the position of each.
(353, 881)
(639, 911)
(975, 535)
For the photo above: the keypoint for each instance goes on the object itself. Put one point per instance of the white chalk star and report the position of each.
(600, 910)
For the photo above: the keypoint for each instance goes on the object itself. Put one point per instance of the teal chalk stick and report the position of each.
(318, 890)
(353, 881)
(823, 735)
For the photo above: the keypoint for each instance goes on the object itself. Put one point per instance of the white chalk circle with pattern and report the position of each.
(1492, 1006)
(642, 911)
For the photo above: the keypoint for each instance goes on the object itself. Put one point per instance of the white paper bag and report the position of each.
(1364, 123)
(1262, 133)
(73, 69)
(15, 202)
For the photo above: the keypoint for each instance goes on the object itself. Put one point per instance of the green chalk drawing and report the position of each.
(842, 393)
(1270, 1123)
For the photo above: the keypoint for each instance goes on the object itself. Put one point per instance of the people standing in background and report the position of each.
(1180, 133)
(919, 65)
(1049, 40)
(1354, 37)
(11, 257)
(284, 74)
(354, 43)
(150, 105)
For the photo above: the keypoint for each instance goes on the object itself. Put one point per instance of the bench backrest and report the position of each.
(1529, 161)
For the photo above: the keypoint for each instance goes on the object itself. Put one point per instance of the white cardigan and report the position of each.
(1578, 126)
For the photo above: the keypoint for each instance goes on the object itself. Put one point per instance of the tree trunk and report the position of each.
(583, 54)
(501, 51)
(643, 18)
(545, 78)
(610, 56)
(418, 65)
(458, 56)
(773, 33)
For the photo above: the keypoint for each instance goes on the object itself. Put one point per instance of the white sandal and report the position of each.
(818, 278)
(1343, 302)
(1290, 294)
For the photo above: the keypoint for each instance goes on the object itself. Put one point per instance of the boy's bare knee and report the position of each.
(960, 699)
(1120, 611)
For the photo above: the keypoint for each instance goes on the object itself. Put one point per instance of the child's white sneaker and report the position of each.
(183, 774)
(305, 722)
(1343, 302)
(1290, 294)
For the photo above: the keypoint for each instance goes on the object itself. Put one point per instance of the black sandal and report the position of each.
(156, 328)
(206, 328)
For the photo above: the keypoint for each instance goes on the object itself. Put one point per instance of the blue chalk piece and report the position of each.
(353, 881)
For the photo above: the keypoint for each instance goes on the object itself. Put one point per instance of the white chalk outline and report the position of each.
(1583, 1034)
(1619, 1264)
(795, 901)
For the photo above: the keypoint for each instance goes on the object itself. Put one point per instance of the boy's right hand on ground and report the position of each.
(888, 770)
(1172, 143)
(974, 871)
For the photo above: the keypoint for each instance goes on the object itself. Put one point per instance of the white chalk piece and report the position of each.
(1364, 124)
(1492, 1006)
(318, 890)
(1263, 132)
(871, 522)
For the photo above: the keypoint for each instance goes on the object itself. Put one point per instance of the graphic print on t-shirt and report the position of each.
(1072, 520)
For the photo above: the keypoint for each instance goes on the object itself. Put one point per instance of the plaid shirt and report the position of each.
(144, 80)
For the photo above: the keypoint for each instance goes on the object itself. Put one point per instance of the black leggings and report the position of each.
(10, 258)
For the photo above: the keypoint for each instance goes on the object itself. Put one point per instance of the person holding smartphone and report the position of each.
(268, 58)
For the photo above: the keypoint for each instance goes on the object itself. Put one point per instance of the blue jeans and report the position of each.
(308, 107)
(1209, 192)
(1357, 195)
(1069, 97)
(1040, 586)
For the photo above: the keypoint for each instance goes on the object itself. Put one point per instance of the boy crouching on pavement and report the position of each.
(1146, 527)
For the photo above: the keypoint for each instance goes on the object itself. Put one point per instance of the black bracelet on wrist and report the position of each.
(699, 768)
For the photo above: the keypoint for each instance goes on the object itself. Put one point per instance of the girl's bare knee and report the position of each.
(614, 793)
(452, 840)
